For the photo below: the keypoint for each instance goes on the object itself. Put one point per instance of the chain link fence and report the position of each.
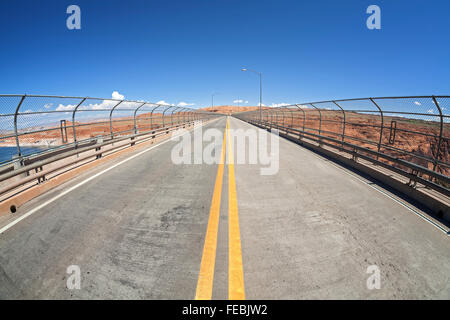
(408, 133)
(32, 124)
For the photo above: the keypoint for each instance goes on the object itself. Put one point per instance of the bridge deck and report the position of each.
(138, 231)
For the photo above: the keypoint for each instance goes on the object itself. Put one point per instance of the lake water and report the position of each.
(6, 153)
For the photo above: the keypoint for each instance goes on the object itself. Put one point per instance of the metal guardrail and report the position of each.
(85, 153)
(33, 124)
(407, 134)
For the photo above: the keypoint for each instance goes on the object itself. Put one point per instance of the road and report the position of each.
(152, 229)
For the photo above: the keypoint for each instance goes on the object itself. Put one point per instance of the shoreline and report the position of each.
(26, 145)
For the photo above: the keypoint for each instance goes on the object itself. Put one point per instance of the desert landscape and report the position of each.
(51, 136)
(408, 139)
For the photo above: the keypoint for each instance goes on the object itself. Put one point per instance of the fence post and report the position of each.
(441, 117)
(320, 124)
(179, 116)
(320, 118)
(135, 112)
(304, 117)
(382, 125)
(164, 112)
(16, 131)
(343, 124)
(73, 122)
(282, 111)
(271, 119)
(151, 116)
(292, 118)
(171, 116)
(110, 119)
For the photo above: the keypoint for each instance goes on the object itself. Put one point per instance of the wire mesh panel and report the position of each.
(443, 157)
(409, 133)
(411, 129)
(363, 123)
(8, 143)
(122, 118)
(91, 119)
(313, 119)
(299, 117)
(157, 117)
(143, 117)
(33, 124)
(333, 120)
(41, 123)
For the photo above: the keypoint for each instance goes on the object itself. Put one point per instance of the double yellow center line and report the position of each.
(235, 269)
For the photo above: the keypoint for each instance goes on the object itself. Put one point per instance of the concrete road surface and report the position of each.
(138, 231)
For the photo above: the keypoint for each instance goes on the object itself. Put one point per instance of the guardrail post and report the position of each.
(18, 163)
(63, 128)
(99, 141)
(441, 117)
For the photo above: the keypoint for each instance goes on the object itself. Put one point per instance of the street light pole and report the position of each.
(212, 100)
(260, 90)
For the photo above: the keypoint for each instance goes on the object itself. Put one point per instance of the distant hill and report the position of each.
(230, 109)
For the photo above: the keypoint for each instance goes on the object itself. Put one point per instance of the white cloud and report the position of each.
(116, 95)
(430, 111)
(238, 101)
(277, 105)
(48, 105)
(184, 104)
(417, 103)
(62, 107)
(163, 103)
(105, 104)
(109, 104)
(246, 101)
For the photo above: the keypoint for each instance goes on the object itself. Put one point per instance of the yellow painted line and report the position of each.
(206, 274)
(236, 289)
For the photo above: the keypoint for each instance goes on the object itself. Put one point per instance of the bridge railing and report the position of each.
(32, 124)
(409, 134)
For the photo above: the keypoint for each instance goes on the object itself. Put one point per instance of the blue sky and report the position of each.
(186, 50)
